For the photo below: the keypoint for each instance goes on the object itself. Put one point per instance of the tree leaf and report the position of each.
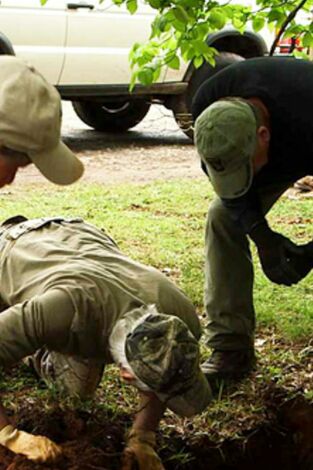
(190, 53)
(132, 6)
(198, 61)
(174, 63)
(133, 80)
(276, 15)
(178, 25)
(157, 73)
(160, 25)
(180, 14)
(200, 46)
(154, 4)
(217, 19)
(145, 76)
(258, 23)
(307, 40)
(301, 55)
(238, 24)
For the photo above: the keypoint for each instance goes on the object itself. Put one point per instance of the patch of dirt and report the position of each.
(155, 149)
(92, 443)
(112, 160)
(133, 157)
(86, 444)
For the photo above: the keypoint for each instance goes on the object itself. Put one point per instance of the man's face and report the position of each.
(128, 377)
(10, 162)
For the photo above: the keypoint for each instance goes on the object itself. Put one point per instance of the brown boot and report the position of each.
(229, 365)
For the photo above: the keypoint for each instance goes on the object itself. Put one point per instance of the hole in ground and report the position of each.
(96, 443)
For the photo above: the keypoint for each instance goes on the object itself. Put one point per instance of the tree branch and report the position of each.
(283, 27)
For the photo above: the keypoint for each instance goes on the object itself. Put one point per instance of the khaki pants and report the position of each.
(71, 374)
(228, 294)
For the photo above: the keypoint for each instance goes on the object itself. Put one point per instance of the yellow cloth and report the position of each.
(36, 448)
(140, 450)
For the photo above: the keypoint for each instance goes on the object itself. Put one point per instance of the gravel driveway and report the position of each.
(155, 149)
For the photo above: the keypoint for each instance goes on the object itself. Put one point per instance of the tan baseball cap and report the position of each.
(30, 121)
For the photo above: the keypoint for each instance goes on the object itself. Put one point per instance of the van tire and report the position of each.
(182, 107)
(113, 116)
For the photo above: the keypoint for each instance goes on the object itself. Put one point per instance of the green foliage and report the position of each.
(307, 40)
(131, 6)
(174, 62)
(217, 19)
(180, 14)
(182, 27)
(258, 23)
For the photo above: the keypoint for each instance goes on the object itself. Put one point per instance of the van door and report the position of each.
(99, 40)
(37, 33)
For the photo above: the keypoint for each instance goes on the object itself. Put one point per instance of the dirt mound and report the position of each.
(86, 444)
(95, 443)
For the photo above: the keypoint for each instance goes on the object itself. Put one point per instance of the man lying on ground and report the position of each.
(76, 303)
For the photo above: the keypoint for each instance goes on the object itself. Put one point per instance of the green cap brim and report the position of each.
(191, 402)
(234, 184)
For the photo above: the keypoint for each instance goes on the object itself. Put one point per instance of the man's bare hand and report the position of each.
(36, 448)
(139, 452)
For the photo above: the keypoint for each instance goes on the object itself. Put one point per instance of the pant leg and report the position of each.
(228, 292)
(71, 374)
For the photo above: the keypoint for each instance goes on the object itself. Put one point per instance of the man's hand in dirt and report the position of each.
(36, 448)
(139, 452)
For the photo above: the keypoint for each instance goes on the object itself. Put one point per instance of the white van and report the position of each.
(82, 48)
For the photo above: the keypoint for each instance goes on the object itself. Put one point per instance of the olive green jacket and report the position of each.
(66, 283)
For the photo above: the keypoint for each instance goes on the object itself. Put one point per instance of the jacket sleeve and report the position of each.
(44, 320)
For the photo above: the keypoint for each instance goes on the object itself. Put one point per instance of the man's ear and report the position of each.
(264, 135)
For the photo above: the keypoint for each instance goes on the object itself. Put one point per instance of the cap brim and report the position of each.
(58, 165)
(234, 184)
(191, 402)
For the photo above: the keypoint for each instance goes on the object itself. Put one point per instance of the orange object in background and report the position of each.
(288, 45)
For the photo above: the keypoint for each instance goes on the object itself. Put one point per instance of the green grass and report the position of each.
(162, 224)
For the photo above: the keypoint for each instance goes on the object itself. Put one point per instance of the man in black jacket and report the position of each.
(254, 135)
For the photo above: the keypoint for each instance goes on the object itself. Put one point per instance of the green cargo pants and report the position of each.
(73, 375)
(228, 293)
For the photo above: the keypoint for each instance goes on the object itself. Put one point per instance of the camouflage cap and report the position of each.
(225, 136)
(164, 355)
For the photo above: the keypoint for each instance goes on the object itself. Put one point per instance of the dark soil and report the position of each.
(95, 443)
(87, 444)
